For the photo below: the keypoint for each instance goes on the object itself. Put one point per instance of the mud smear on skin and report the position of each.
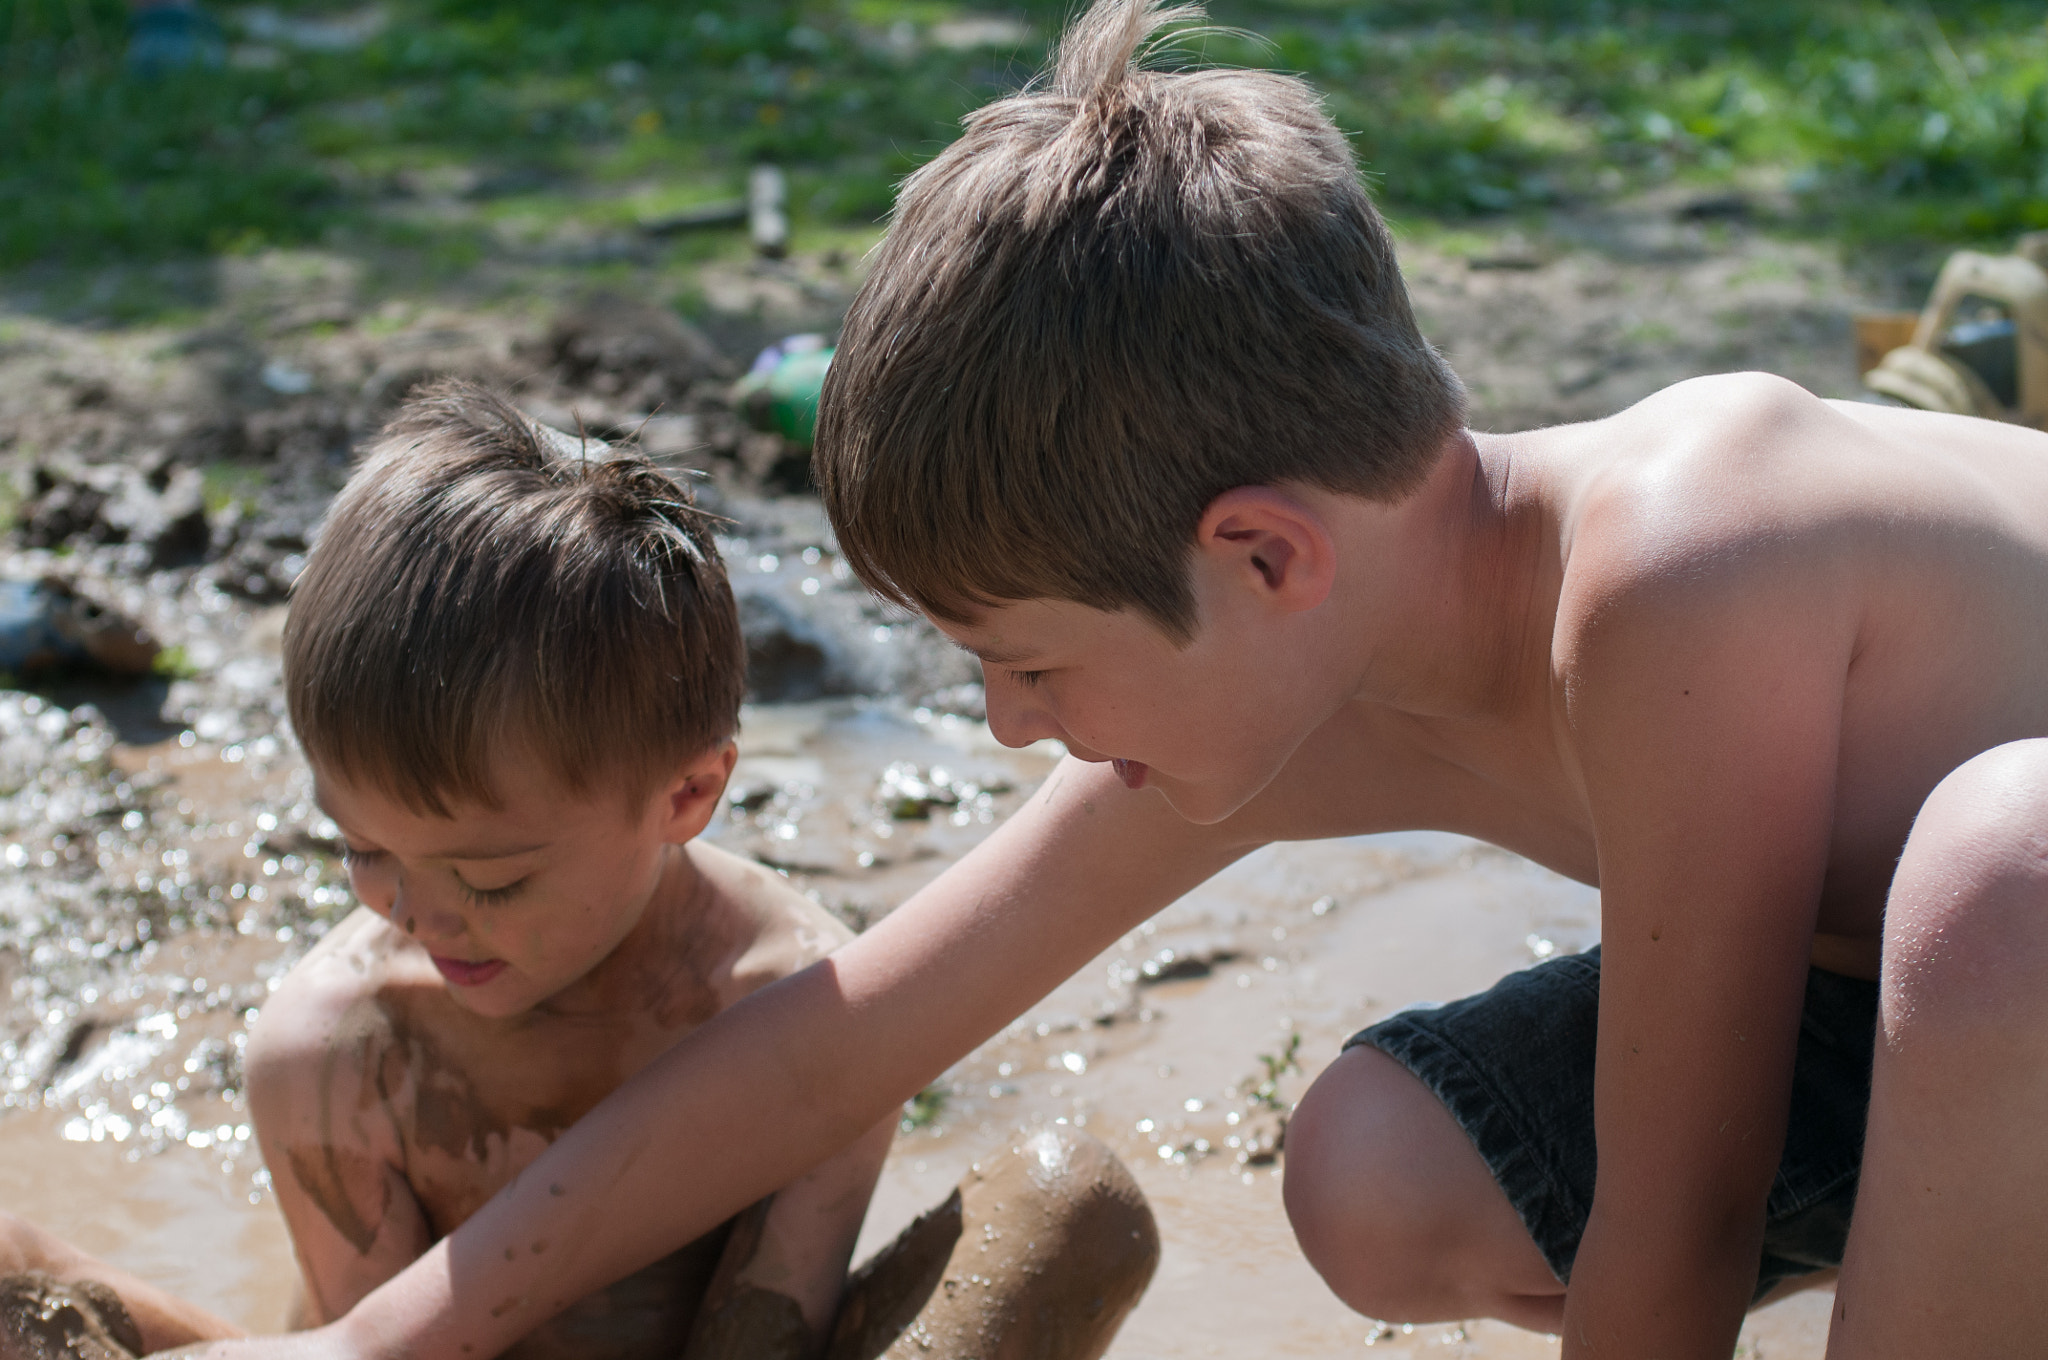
(408, 1070)
(44, 1318)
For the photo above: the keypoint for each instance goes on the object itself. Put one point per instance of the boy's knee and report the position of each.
(1966, 946)
(1068, 1194)
(1367, 1221)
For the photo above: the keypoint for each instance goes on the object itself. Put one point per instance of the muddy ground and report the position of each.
(166, 865)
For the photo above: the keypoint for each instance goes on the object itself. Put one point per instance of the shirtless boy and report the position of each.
(1132, 405)
(515, 666)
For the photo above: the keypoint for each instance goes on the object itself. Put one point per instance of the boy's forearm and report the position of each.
(1660, 1294)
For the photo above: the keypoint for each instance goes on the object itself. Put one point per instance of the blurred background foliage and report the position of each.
(462, 126)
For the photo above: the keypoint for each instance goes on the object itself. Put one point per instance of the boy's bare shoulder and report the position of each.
(330, 1001)
(1735, 508)
(789, 931)
(1725, 481)
(1681, 471)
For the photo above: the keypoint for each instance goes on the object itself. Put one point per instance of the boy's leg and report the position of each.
(1043, 1250)
(56, 1301)
(1948, 1254)
(1398, 1212)
(1444, 1166)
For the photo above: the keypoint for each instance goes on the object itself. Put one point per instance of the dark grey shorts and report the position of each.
(1514, 1065)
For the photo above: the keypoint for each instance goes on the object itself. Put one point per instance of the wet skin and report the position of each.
(510, 967)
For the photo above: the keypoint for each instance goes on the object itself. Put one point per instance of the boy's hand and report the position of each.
(1703, 704)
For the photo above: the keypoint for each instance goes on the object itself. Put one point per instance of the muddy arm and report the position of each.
(779, 1284)
(332, 1149)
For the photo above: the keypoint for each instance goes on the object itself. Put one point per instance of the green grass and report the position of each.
(473, 127)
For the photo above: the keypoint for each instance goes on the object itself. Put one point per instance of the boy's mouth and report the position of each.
(1130, 771)
(463, 974)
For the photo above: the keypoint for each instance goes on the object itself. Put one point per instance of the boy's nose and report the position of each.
(1014, 718)
(425, 920)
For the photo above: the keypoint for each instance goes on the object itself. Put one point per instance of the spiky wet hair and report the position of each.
(1119, 294)
(485, 583)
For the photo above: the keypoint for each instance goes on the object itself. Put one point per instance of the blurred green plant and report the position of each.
(233, 484)
(1264, 1091)
(923, 1109)
(174, 663)
(466, 126)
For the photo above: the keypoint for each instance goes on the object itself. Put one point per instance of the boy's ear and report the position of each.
(691, 796)
(1272, 541)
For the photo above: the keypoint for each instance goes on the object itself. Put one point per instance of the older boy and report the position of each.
(515, 667)
(1132, 406)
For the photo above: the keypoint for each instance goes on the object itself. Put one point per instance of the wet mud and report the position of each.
(754, 1324)
(1040, 1254)
(43, 1318)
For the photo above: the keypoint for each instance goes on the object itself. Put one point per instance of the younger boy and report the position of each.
(1133, 406)
(515, 666)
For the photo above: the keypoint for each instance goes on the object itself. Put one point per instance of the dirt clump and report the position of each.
(1040, 1254)
(44, 1318)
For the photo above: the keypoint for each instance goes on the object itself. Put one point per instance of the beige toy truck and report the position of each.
(1979, 348)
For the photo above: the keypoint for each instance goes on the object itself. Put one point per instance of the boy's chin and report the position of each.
(1203, 804)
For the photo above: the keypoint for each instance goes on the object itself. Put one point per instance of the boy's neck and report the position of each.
(655, 969)
(1453, 589)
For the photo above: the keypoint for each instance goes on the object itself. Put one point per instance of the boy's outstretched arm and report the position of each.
(777, 1083)
(1704, 708)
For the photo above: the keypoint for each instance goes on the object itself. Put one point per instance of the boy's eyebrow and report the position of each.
(489, 852)
(994, 656)
(477, 855)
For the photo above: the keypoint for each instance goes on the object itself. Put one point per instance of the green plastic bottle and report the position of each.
(780, 392)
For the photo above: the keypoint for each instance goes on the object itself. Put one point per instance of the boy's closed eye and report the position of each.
(1027, 678)
(353, 857)
(487, 897)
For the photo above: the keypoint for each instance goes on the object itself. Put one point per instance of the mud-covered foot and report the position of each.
(1040, 1254)
(44, 1318)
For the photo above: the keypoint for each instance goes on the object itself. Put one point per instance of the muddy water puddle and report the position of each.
(1181, 1047)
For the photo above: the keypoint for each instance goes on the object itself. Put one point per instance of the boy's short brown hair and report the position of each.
(484, 581)
(1108, 302)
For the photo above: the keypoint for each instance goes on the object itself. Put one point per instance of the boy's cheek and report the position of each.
(372, 889)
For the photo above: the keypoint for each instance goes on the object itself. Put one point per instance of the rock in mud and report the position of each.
(641, 355)
(44, 1318)
(786, 658)
(1039, 1255)
(160, 506)
(261, 552)
(48, 626)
